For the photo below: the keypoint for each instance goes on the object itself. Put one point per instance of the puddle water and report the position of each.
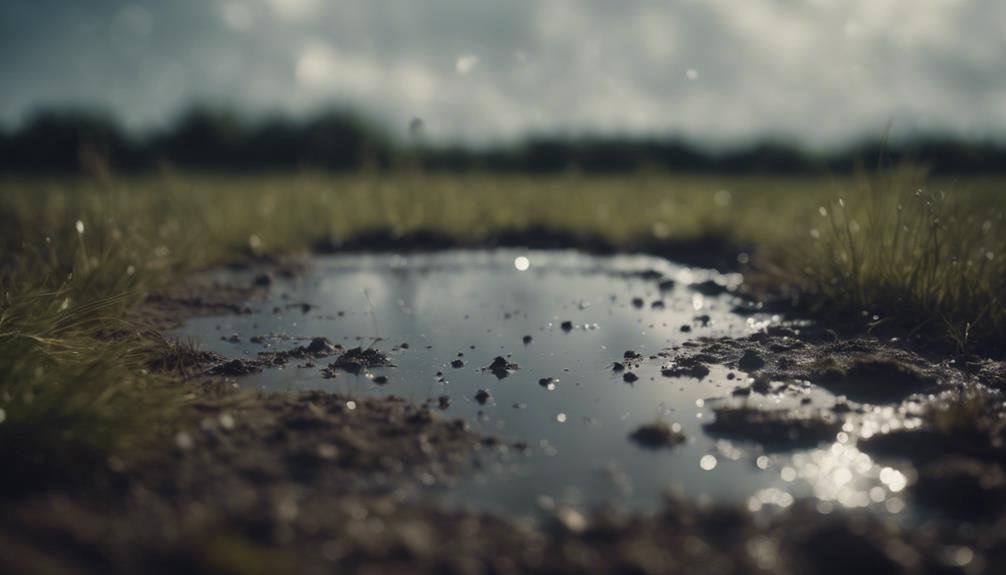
(473, 306)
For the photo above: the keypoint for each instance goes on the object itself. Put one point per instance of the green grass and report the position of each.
(898, 251)
(922, 255)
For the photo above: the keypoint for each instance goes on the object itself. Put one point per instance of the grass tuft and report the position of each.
(893, 250)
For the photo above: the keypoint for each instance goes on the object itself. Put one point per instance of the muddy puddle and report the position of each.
(574, 363)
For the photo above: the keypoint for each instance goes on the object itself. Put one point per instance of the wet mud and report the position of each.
(843, 454)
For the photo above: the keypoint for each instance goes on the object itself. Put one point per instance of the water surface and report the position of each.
(468, 307)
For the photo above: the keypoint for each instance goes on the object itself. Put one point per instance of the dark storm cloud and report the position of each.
(720, 70)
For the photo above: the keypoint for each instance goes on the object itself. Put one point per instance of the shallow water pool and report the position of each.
(564, 318)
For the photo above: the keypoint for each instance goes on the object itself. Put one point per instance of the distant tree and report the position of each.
(69, 141)
(218, 138)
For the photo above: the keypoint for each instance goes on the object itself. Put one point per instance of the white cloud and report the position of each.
(296, 9)
(322, 69)
(237, 14)
(821, 71)
(465, 64)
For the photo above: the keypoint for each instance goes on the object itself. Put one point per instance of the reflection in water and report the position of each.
(566, 319)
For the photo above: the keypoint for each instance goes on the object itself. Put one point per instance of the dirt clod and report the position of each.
(961, 487)
(658, 434)
(320, 345)
(235, 367)
(500, 367)
(264, 280)
(708, 287)
(356, 359)
(751, 361)
(775, 429)
(687, 366)
(873, 378)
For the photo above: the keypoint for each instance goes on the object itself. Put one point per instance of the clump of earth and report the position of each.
(357, 359)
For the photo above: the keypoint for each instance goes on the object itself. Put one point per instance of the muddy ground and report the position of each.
(321, 483)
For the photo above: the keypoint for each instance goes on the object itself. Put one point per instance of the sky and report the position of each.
(818, 72)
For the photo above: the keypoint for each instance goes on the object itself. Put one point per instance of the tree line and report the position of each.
(80, 141)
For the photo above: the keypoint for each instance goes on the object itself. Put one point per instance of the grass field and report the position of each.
(78, 255)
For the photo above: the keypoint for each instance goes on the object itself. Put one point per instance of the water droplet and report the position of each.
(722, 198)
(521, 263)
(561, 418)
(660, 230)
(960, 556)
(894, 504)
(842, 476)
(894, 479)
(183, 440)
(708, 462)
(351, 405)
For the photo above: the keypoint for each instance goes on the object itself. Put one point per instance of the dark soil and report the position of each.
(962, 488)
(501, 367)
(318, 348)
(655, 435)
(708, 287)
(862, 368)
(357, 359)
(306, 485)
(254, 478)
(871, 378)
(773, 429)
(686, 366)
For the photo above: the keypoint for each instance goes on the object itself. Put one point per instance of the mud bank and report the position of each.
(317, 482)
